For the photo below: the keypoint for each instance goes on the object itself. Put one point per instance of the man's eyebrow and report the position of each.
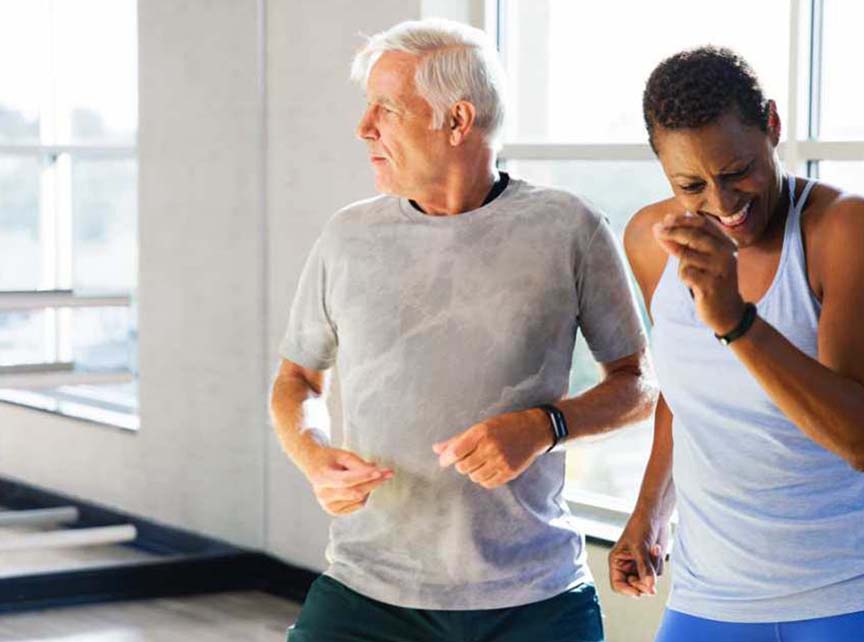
(383, 100)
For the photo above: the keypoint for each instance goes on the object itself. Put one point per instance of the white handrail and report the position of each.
(70, 537)
(34, 380)
(38, 516)
(32, 368)
(39, 299)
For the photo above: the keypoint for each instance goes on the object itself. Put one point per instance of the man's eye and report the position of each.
(691, 188)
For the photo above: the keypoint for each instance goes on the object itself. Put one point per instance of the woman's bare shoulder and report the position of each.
(639, 226)
(833, 225)
(647, 259)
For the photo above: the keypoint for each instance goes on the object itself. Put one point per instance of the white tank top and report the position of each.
(771, 524)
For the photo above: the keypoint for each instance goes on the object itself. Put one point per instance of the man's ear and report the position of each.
(775, 127)
(460, 121)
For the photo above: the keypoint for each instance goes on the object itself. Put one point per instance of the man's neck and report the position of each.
(462, 191)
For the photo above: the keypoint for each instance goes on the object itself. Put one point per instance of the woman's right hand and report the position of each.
(636, 560)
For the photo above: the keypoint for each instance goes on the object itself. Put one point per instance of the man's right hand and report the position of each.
(341, 480)
(636, 560)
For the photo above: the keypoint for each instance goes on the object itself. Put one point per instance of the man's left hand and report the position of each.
(499, 449)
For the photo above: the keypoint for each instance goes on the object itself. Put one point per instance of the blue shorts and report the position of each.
(679, 627)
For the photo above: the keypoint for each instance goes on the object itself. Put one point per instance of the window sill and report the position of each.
(85, 412)
(601, 518)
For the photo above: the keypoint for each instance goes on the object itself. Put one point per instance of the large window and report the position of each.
(68, 206)
(576, 72)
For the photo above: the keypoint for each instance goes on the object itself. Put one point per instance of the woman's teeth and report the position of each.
(737, 218)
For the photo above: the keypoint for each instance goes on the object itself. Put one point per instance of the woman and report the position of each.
(766, 417)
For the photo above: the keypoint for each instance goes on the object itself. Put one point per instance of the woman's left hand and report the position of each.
(708, 265)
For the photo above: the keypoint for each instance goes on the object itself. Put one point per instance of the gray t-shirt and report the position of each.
(439, 323)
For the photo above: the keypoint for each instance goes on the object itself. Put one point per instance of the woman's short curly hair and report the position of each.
(697, 86)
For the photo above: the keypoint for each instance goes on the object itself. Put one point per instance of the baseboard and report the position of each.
(187, 563)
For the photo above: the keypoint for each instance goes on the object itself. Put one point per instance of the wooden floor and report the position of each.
(222, 617)
(235, 617)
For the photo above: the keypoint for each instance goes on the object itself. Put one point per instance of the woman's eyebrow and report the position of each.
(745, 160)
(725, 168)
(687, 176)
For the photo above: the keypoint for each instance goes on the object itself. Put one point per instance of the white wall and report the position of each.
(198, 459)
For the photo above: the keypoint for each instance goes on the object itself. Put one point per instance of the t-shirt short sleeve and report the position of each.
(310, 339)
(608, 312)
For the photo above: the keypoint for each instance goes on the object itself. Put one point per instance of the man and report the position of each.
(453, 302)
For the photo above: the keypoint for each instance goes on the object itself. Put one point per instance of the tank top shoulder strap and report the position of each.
(799, 203)
(793, 241)
(796, 207)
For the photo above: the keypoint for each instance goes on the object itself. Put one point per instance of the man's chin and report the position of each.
(385, 187)
(384, 184)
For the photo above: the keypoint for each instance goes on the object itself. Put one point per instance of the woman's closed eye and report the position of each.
(737, 174)
(691, 188)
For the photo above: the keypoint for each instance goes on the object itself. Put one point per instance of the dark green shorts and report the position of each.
(334, 613)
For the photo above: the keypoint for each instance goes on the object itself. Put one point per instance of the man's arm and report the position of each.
(298, 409)
(341, 480)
(626, 394)
(498, 450)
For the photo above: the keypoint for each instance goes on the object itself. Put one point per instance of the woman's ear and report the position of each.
(775, 127)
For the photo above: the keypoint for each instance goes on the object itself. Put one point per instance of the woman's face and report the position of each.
(727, 170)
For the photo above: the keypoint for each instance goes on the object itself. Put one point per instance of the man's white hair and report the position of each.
(457, 62)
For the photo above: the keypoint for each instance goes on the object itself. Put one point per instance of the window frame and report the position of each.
(803, 146)
(801, 153)
(22, 381)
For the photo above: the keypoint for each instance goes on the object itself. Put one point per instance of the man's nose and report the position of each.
(366, 127)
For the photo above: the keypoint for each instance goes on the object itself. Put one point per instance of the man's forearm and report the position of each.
(300, 417)
(624, 396)
(341, 480)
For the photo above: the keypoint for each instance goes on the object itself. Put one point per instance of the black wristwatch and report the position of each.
(557, 422)
(741, 329)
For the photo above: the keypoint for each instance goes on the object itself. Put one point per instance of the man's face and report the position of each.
(407, 156)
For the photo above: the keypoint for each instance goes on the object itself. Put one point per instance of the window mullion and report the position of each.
(63, 213)
(48, 248)
(816, 13)
(57, 133)
(790, 149)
